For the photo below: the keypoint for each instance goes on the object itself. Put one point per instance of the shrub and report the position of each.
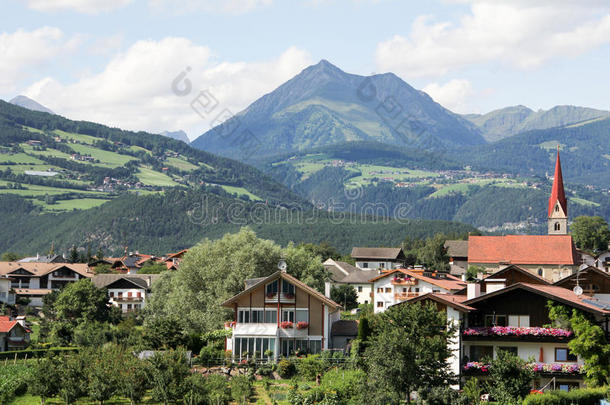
(209, 355)
(584, 396)
(217, 389)
(13, 381)
(285, 368)
(309, 367)
(347, 384)
(241, 389)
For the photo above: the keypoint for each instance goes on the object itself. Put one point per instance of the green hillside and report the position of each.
(60, 164)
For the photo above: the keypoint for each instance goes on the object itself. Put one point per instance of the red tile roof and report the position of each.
(449, 284)
(522, 249)
(557, 192)
(454, 301)
(6, 326)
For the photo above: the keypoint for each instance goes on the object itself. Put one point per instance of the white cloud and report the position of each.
(134, 91)
(521, 34)
(81, 6)
(208, 6)
(454, 95)
(26, 51)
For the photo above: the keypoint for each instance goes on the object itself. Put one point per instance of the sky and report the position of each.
(140, 64)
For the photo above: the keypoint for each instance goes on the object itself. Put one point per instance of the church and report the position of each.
(551, 257)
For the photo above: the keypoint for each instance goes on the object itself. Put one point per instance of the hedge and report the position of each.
(35, 353)
(584, 396)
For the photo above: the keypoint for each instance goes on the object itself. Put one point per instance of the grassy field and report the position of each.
(76, 137)
(152, 178)
(181, 164)
(48, 152)
(241, 191)
(106, 158)
(582, 201)
(19, 158)
(78, 204)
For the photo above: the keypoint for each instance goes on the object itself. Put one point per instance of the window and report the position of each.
(566, 386)
(302, 315)
(290, 346)
(250, 346)
(478, 353)
(436, 291)
(139, 294)
(416, 289)
(379, 289)
(564, 354)
(287, 288)
(495, 320)
(258, 316)
(379, 304)
(557, 226)
(557, 208)
(359, 288)
(540, 272)
(510, 349)
(388, 289)
(519, 321)
(270, 316)
(288, 315)
(129, 294)
(111, 294)
(271, 288)
(129, 307)
(243, 316)
(381, 265)
(365, 265)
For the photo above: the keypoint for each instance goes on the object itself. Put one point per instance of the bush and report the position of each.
(241, 389)
(310, 367)
(346, 384)
(285, 368)
(209, 355)
(13, 381)
(217, 389)
(584, 396)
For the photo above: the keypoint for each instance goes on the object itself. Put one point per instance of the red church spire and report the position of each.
(558, 193)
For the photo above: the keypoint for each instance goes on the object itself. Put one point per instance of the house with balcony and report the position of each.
(378, 258)
(344, 273)
(14, 335)
(33, 280)
(392, 287)
(127, 292)
(515, 319)
(7, 295)
(282, 315)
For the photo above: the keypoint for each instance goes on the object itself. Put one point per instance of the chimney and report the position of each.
(37, 256)
(327, 289)
(473, 290)
(464, 277)
(21, 320)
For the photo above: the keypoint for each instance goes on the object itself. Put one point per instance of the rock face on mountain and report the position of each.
(179, 135)
(505, 122)
(26, 102)
(323, 105)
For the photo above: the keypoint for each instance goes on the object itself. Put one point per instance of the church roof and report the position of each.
(558, 193)
(522, 249)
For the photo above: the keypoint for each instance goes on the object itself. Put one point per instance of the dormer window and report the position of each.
(287, 288)
(272, 288)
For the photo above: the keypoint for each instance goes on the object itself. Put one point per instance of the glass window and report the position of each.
(388, 289)
(478, 353)
(359, 288)
(510, 349)
(379, 304)
(302, 315)
(379, 289)
(288, 315)
(258, 316)
(564, 354)
(287, 288)
(271, 288)
(495, 320)
(519, 321)
(365, 265)
(270, 316)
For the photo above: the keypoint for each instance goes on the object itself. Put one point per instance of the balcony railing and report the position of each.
(401, 296)
(476, 367)
(517, 333)
(404, 281)
(284, 297)
(124, 298)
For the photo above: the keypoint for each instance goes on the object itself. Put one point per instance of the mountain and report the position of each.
(179, 135)
(26, 102)
(323, 105)
(505, 122)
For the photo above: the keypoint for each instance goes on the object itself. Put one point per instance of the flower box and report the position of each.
(286, 325)
(270, 295)
(289, 296)
(302, 325)
(557, 368)
(516, 331)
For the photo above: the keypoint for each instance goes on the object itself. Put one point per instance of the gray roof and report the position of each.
(336, 272)
(376, 253)
(253, 281)
(141, 280)
(344, 328)
(359, 277)
(42, 259)
(457, 248)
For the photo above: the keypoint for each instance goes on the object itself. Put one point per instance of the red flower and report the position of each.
(302, 325)
(286, 325)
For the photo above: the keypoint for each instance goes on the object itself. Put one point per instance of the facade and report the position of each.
(378, 258)
(127, 292)
(7, 295)
(558, 204)
(345, 273)
(399, 285)
(33, 280)
(13, 334)
(593, 281)
(457, 250)
(282, 315)
(551, 257)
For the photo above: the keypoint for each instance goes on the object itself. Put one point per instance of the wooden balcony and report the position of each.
(401, 296)
(404, 282)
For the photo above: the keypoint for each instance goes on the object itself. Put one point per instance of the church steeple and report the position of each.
(558, 203)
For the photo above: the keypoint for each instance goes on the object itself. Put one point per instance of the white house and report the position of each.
(345, 273)
(398, 285)
(7, 295)
(378, 258)
(126, 291)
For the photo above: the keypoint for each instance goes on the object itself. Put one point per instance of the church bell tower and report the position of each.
(558, 204)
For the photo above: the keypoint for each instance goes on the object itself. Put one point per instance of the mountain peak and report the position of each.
(26, 102)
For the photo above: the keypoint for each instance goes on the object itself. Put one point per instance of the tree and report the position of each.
(193, 293)
(168, 370)
(99, 255)
(164, 332)
(40, 383)
(218, 391)
(434, 254)
(72, 370)
(408, 352)
(345, 295)
(591, 345)
(196, 390)
(241, 389)
(103, 369)
(152, 268)
(591, 233)
(11, 256)
(74, 257)
(133, 382)
(473, 272)
(509, 378)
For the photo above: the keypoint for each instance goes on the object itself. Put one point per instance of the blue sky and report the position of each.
(113, 61)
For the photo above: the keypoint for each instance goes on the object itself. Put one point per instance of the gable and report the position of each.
(21, 271)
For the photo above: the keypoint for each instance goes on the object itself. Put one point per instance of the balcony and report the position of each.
(513, 333)
(126, 299)
(401, 296)
(283, 297)
(407, 281)
(542, 369)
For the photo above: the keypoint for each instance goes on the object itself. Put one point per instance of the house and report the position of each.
(457, 250)
(7, 295)
(601, 261)
(172, 260)
(592, 280)
(551, 257)
(34, 280)
(345, 273)
(514, 318)
(501, 279)
(43, 259)
(342, 333)
(127, 292)
(132, 262)
(280, 314)
(398, 285)
(13, 334)
(378, 258)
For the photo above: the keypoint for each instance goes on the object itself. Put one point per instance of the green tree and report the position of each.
(99, 255)
(241, 389)
(133, 374)
(408, 352)
(40, 383)
(193, 293)
(11, 256)
(591, 345)
(72, 372)
(591, 233)
(473, 272)
(73, 256)
(168, 371)
(218, 390)
(164, 332)
(509, 378)
(196, 391)
(434, 254)
(152, 268)
(473, 391)
(103, 371)
(345, 295)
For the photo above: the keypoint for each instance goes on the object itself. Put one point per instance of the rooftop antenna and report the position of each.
(282, 266)
(577, 289)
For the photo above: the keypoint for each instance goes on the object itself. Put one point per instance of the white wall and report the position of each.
(374, 265)
(125, 293)
(525, 350)
(388, 298)
(453, 316)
